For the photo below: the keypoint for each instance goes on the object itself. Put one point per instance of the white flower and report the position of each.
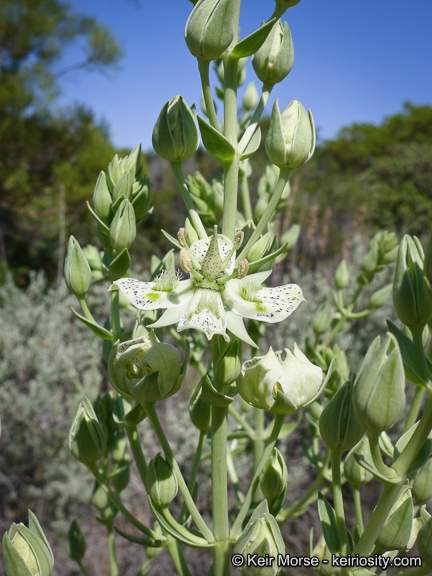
(279, 386)
(213, 299)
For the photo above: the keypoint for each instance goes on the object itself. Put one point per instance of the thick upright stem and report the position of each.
(338, 500)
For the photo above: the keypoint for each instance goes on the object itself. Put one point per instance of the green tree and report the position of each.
(46, 157)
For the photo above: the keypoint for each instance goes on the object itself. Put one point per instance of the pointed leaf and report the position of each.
(103, 226)
(171, 239)
(250, 141)
(214, 142)
(411, 361)
(329, 525)
(95, 328)
(252, 43)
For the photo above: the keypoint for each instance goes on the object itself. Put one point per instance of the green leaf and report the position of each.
(252, 43)
(250, 141)
(104, 227)
(329, 526)
(120, 265)
(410, 356)
(366, 461)
(258, 264)
(171, 239)
(150, 543)
(214, 142)
(211, 396)
(95, 328)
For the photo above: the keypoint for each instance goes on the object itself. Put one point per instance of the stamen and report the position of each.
(185, 260)
(167, 281)
(181, 235)
(243, 269)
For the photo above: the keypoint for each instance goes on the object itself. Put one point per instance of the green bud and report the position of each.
(250, 97)
(123, 227)
(261, 536)
(424, 543)
(119, 446)
(274, 476)
(87, 439)
(379, 389)
(102, 198)
(114, 172)
(339, 427)
(396, 532)
(175, 135)
(279, 386)
(412, 296)
(99, 498)
(422, 489)
(369, 265)
(227, 367)
(141, 199)
(200, 411)
(121, 476)
(356, 474)
(274, 60)
(342, 276)
(26, 551)
(380, 297)
(75, 543)
(123, 189)
(192, 236)
(258, 250)
(210, 28)
(290, 140)
(321, 320)
(283, 5)
(161, 482)
(77, 272)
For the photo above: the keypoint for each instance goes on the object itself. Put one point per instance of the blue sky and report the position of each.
(355, 61)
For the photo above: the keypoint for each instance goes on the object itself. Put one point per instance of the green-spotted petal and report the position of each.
(206, 313)
(248, 299)
(147, 296)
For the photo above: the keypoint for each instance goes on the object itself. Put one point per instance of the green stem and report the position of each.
(187, 199)
(268, 213)
(219, 487)
(193, 474)
(246, 201)
(115, 315)
(237, 526)
(258, 446)
(358, 508)
(377, 456)
(86, 310)
(231, 168)
(137, 452)
(414, 408)
(391, 491)
(338, 500)
(241, 420)
(112, 551)
(118, 503)
(144, 568)
(256, 117)
(83, 569)
(233, 476)
(291, 510)
(187, 497)
(177, 557)
(204, 67)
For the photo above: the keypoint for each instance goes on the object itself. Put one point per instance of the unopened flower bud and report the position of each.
(75, 543)
(192, 235)
(342, 276)
(412, 296)
(356, 474)
(369, 265)
(379, 389)
(185, 260)
(210, 28)
(87, 439)
(121, 476)
(274, 60)
(290, 140)
(338, 425)
(258, 250)
(280, 387)
(227, 367)
(274, 476)
(161, 482)
(250, 97)
(380, 297)
(396, 532)
(123, 189)
(181, 236)
(243, 269)
(102, 198)
(123, 227)
(261, 536)
(422, 489)
(321, 320)
(200, 411)
(283, 5)
(77, 272)
(26, 551)
(424, 543)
